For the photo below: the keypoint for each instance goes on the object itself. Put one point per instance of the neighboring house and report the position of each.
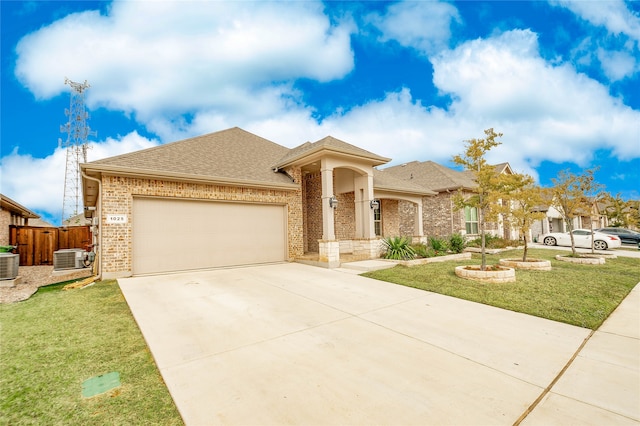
(12, 213)
(233, 198)
(77, 220)
(39, 223)
(555, 223)
(440, 217)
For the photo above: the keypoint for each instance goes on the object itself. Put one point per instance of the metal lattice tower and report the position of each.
(76, 145)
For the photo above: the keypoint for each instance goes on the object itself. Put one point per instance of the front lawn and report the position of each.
(582, 295)
(53, 342)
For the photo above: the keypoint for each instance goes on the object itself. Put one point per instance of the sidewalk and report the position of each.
(602, 384)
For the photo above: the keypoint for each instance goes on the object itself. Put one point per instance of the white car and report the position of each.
(582, 238)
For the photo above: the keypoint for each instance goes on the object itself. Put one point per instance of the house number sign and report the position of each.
(116, 218)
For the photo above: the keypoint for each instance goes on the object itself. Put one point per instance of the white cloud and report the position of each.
(38, 183)
(556, 113)
(614, 15)
(422, 25)
(617, 65)
(164, 58)
(617, 53)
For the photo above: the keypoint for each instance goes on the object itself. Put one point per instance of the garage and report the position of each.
(178, 235)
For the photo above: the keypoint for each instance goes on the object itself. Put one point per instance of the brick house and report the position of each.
(12, 213)
(233, 198)
(440, 218)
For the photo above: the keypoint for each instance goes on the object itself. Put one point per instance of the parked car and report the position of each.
(582, 238)
(627, 236)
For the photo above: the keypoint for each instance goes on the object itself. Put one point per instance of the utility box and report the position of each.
(68, 259)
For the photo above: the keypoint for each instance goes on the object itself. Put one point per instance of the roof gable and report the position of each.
(328, 144)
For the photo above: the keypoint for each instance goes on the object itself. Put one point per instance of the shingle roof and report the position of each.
(8, 204)
(331, 144)
(432, 176)
(232, 154)
(387, 181)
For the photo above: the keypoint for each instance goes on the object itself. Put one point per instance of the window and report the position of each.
(377, 219)
(471, 219)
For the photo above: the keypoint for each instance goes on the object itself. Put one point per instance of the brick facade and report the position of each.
(117, 198)
(5, 221)
(312, 211)
(345, 216)
(439, 216)
(390, 218)
(406, 218)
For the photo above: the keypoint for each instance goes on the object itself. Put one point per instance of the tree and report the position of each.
(570, 196)
(521, 196)
(592, 191)
(486, 193)
(618, 211)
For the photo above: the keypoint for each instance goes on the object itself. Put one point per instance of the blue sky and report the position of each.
(406, 80)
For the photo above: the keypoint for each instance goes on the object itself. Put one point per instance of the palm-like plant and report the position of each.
(398, 248)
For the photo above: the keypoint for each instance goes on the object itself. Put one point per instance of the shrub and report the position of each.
(493, 242)
(421, 250)
(438, 244)
(398, 248)
(456, 243)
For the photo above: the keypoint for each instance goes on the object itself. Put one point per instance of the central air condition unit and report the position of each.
(9, 263)
(68, 259)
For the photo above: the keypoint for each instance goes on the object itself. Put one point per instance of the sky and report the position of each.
(406, 80)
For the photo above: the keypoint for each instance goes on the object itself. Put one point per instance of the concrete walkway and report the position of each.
(295, 344)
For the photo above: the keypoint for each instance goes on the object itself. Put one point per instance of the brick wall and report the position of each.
(438, 216)
(390, 218)
(406, 218)
(117, 198)
(5, 221)
(312, 211)
(345, 216)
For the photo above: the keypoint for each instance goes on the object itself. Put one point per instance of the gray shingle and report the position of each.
(233, 154)
(432, 176)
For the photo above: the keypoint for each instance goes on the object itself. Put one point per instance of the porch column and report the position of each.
(328, 228)
(364, 213)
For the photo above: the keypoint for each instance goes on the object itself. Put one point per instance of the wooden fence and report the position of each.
(36, 245)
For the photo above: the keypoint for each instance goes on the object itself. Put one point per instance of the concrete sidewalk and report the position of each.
(295, 344)
(602, 385)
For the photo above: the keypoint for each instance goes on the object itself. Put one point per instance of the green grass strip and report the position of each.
(582, 295)
(52, 343)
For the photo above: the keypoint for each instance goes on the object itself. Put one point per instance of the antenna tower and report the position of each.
(76, 145)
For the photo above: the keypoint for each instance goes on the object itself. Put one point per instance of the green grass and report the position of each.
(53, 342)
(582, 295)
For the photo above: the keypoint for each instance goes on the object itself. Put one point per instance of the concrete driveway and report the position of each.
(296, 344)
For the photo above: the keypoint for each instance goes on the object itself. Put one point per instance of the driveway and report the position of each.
(296, 344)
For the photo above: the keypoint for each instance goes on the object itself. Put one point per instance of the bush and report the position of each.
(456, 243)
(493, 242)
(398, 248)
(438, 244)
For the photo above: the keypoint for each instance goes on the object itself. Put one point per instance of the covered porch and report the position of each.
(348, 205)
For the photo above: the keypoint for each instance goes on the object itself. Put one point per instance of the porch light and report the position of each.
(374, 204)
(333, 202)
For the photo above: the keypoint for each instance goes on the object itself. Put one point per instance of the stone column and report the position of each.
(364, 213)
(328, 227)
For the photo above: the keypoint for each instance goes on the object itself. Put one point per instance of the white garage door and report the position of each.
(179, 235)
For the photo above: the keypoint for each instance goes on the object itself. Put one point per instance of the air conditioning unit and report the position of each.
(9, 263)
(68, 259)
